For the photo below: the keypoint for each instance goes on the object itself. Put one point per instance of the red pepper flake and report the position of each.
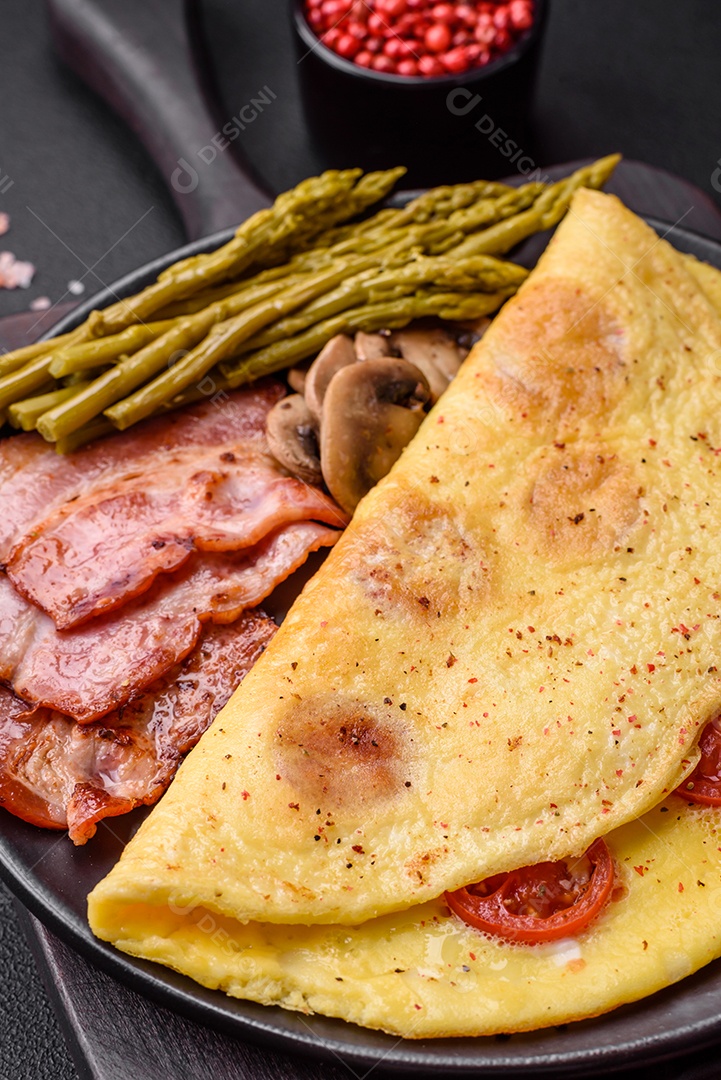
(277, 776)
(473, 680)
(359, 849)
(294, 805)
(632, 719)
(451, 660)
(531, 629)
(651, 442)
(472, 955)
(245, 794)
(634, 670)
(616, 731)
(324, 623)
(619, 772)
(651, 667)
(680, 886)
(640, 870)
(434, 480)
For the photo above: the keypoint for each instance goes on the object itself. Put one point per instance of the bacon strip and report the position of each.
(97, 552)
(57, 774)
(34, 481)
(90, 671)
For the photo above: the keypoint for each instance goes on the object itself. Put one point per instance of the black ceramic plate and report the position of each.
(52, 878)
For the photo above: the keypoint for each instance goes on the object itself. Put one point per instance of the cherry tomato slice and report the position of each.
(539, 903)
(704, 783)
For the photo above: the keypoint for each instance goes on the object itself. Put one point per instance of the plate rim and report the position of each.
(168, 989)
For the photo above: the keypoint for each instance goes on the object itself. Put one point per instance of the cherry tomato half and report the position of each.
(539, 903)
(704, 783)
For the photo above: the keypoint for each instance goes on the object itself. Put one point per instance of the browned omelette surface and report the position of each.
(513, 648)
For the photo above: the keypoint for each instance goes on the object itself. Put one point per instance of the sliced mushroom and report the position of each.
(370, 412)
(293, 440)
(296, 379)
(371, 346)
(432, 350)
(335, 354)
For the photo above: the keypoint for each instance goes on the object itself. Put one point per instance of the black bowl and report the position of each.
(474, 79)
(447, 128)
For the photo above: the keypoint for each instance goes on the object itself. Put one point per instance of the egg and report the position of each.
(511, 652)
(423, 972)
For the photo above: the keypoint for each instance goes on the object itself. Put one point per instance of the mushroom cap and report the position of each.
(335, 354)
(293, 440)
(371, 411)
(296, 379)
(434, 351)
(371, 346)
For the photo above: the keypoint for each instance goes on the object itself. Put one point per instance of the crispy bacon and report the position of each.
(100, 549)
(58, 774)
(125, 626)
(34, 481)
(98, 667)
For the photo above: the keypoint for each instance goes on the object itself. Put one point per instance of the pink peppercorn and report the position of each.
(420, 37)
(437, 38)
(347, 46)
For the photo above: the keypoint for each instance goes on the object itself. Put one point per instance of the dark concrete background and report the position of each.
(86, 203)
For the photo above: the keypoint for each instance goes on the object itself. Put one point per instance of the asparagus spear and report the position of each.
(25, 381)
(186, 333)
(119, 380)
(437, 220)
(546, 212)
(17, 358)
(90, 354)
(372, 285)
(379, 316)
(469, 220)
(293, 220)
(25, 414)
(483, 273)
(95, 429)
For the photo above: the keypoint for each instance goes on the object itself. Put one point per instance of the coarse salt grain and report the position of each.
(13, 273)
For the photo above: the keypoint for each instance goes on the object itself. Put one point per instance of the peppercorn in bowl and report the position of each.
(413, 41)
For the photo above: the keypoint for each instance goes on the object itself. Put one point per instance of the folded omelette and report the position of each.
(511, 652)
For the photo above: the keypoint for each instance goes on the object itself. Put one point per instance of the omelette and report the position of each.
(510, 653)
